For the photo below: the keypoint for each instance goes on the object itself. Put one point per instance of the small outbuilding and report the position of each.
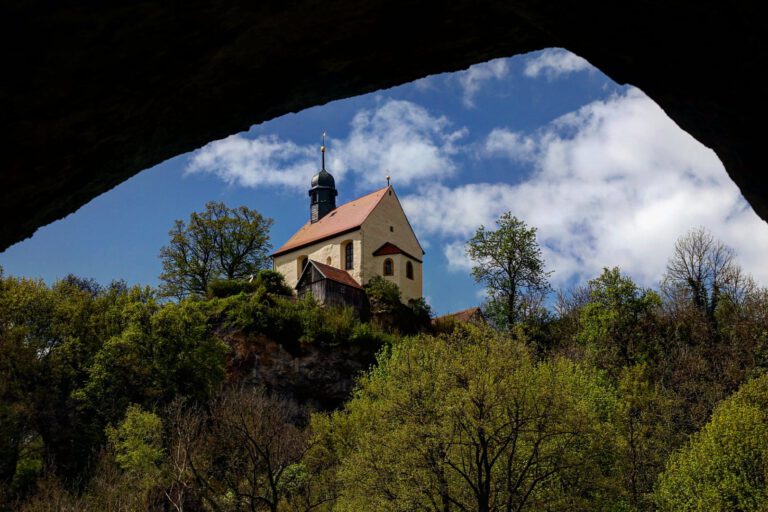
(331, 286)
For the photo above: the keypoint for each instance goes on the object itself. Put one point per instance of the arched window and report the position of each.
(302, 263)
(388, 267)
(409, 270)
(328, 261)
(349, 256)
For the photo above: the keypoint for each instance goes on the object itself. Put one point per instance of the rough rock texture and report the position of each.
(93, 92)
(315, 376)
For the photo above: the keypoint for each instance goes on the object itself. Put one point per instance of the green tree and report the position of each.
(725, 465)
(470, 422)
(509, 263)
(644, 423)
(162, 352)
(138, 446)
(618, 322)
(218, 243)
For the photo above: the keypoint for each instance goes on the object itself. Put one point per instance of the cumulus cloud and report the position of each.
(264, 161)
(399, 138)
(402, 139)
(614, 183)
(473, 78)
(514, 146)
(554, 62)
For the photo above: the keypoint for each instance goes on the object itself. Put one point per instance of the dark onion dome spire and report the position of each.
(323, 192)
(323, 179)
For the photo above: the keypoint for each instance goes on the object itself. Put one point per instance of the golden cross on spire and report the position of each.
(322, 151)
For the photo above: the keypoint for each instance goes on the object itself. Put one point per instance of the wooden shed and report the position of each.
(332, 287)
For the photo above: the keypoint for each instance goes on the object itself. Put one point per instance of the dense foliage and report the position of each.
(723, 467)
(621, 398)
(471, 422)
(217, 243)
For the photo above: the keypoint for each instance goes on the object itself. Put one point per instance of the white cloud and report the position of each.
(554, 62)
(424, 84)
(399, 138)
(473, 78)
(264, 161)
(514, 146)
(614, 183)
(456, 254)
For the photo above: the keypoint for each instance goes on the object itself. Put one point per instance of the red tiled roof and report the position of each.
(347, 217)
(465, 315)
(336, 274)
(390, 248)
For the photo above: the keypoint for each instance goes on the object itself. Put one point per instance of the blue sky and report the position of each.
(606, 177)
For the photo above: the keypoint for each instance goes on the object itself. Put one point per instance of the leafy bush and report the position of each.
(273, 282)
(269, 280)
(383, 295)
(390, 314)
(366, 334)
(222, 288)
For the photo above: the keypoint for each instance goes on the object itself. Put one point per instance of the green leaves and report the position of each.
(618, 322)
(138, 446)
(471, 422)
(509, 263)
(218, 243)
(725, 465)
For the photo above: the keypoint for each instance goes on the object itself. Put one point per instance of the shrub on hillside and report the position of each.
(223, 288)
(271, 281)
(390, 314)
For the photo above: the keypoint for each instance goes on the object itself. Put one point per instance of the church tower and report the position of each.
(323, 192)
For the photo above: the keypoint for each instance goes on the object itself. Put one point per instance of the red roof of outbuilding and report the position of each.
(465, 315)
(347, 217)
(334, 274)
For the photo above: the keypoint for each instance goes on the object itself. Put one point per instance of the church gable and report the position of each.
(390, 247)
(387, 223)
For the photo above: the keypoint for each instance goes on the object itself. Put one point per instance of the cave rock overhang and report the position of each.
(93, 94)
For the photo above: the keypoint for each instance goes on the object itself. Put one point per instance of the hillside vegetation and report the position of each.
(617, 398)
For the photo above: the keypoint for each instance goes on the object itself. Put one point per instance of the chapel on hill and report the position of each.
(341, 248)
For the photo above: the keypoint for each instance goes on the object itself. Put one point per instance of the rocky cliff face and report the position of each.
(313, 375)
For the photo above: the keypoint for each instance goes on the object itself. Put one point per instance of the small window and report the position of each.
(302, 264)
(409, 270)
(388, 267)
(349, 256)
(328, 261)
(391, 229)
